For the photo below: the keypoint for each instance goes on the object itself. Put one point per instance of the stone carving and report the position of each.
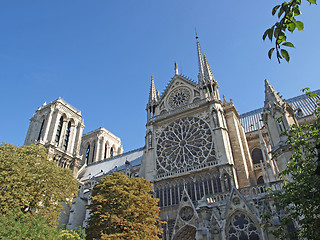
(186, 213)
(185, 143)
(179, 97)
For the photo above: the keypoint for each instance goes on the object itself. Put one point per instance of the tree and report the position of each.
(123, 208)
(16, 225)
(33, 184)
(287, 13)
(299, 201)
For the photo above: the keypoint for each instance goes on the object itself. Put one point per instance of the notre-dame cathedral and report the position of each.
(209, 165)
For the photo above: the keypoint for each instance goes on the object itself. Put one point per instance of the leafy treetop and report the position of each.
(123, 208)
(33, 184)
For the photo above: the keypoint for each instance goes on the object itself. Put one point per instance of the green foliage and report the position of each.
(300, 199)
(32, 184)
(123, 208)
(287, 13)
(16, 225)
(72, 235)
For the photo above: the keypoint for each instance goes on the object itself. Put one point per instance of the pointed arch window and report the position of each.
(260, 180)
(111, 152)
(105, 151)
(241, 227)
(93, 150)
(87, 154)
(67, 136)
(59, 128)
(256, 156)
(40, 132)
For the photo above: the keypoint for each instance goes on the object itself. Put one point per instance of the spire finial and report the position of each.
(176, 68)
(201, 62)
(271, 96)
(152, 95)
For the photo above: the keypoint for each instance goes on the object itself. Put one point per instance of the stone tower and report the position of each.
(58, 126)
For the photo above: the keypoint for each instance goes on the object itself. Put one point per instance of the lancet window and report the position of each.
(59, 128)
(93, 152)
(87, 154)
(256, 155)
(105, 151)
(67, 136)
(111, 152)
(40, 132)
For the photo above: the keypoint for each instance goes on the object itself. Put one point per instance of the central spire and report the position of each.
(201, 63)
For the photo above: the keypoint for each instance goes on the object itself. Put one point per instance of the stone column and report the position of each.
(97, 150)
(78, 138)
(48, 124)
(63, 133)
(72, 139)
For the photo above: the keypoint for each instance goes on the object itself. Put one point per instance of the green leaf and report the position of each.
(291, 26)
(281, 39)
(270, 52)
(312, 1)
(265, 34)
(299, 25)
(296, 11)
(288, 44)
(270, 33)
(274, 10)
(281, 10)
(285, 54)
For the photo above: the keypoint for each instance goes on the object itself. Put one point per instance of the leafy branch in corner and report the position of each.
(287, 13)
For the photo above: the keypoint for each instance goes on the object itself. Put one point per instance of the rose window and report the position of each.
(179, 97)
(241, 227)
(186, 213)
(184, 143)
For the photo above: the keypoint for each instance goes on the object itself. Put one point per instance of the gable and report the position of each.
(180, 91)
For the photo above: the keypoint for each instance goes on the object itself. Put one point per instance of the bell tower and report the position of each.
(58, 126)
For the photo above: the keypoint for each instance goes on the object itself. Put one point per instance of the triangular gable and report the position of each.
(187, 214)
(183, 79)
(237, 202)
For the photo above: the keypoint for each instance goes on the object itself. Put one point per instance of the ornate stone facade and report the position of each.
(209, 165)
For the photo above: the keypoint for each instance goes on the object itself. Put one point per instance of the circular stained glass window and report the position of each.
(184, 143)
(179, 97)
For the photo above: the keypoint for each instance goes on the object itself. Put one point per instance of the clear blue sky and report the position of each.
(99, 56)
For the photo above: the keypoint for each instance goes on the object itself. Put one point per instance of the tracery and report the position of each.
(184, 143)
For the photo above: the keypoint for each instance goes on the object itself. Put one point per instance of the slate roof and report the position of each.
(250, 119)
(117, 163)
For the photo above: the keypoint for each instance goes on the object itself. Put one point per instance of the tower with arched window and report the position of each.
(58, 126)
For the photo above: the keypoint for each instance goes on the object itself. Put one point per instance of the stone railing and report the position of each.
(252, 190)
(217, 197)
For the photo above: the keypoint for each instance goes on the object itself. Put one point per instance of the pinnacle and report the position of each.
(271, 96)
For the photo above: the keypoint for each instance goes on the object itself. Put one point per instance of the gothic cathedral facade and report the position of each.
(209, 165)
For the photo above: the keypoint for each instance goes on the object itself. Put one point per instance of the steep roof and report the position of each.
(250, 119)
(117, 163)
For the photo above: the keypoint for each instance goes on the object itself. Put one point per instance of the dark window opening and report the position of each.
(111, 152)
(256, 155)
(41, 128)
(87, 154)
(105, 151)
(66, 140)
(260, 180)
(94, 149)
(58, 134)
